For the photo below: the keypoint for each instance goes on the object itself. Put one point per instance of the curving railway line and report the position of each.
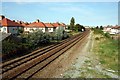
(26, 66)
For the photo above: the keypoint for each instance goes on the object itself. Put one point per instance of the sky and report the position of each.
(85, 13)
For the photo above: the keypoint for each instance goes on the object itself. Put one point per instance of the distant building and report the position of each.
(112, 29)
(107, 29)
(115, 30)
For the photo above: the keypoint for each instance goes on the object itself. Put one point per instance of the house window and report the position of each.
(4, 29)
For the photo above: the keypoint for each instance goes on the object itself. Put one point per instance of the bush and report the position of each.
(107, 35)
(96, 38)
(60, 34)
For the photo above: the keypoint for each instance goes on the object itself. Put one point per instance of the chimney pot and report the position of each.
(37, 20)
(2, 17)
(13, 20)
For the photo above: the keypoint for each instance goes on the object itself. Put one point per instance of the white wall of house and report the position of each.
(27, 29)
(50, 29)
(31, 29)
(13, 30)
(115, 31)
(4, 29)
(107, 29)
(43, 29)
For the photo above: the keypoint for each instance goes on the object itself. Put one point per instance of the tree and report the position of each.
(72, 23)
(101, 27)
(97, 27)
(78, 27)
(58, 34)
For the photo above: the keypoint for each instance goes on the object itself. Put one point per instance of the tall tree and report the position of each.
(72, 23)
(101, 27)
(97, 27)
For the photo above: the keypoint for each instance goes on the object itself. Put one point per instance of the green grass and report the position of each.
(107, 51)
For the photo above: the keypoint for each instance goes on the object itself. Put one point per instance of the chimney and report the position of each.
(2, 17)
(13, 20)
(18, 21)
(37, 20)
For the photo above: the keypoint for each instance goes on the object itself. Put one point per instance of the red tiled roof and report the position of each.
(48, 25)
(36, 24)
(63, 24)
(116, 27)
(25, 24)
(8, 22)
(56, 24)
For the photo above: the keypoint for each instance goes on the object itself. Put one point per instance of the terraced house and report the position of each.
(49, 27)
(9, 26)
(34, 26)
(13, 27)
(59, 25)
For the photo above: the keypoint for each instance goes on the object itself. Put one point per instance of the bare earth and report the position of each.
(77, 62)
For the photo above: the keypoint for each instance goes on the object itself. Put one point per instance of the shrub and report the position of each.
(107, 35)
(96, 38)
(58, 34)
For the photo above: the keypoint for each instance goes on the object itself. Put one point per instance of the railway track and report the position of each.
(13, 63)
(18, 67)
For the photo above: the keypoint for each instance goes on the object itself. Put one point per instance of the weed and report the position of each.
(96, 38)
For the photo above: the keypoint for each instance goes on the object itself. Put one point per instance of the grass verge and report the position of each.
(107, 51)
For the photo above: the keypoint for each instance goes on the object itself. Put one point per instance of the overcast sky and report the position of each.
(85, 13)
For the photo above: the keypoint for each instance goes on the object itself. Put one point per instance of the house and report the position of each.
(115, 30)
(63, 25)
(9, 26)
(107, 29)
(112, 29)
(49, 27)
(58, 26)
(35, 26)
(25, 24)
(15, 27)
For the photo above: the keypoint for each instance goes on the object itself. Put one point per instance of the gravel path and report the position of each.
(83, 56)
